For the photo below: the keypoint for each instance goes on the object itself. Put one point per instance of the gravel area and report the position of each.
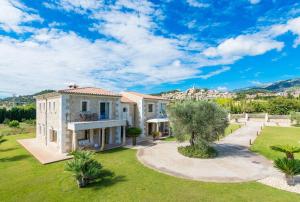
(279, 182)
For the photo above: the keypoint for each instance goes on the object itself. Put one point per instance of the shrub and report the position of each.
(14, 124)
(134, 133)
(85, 169)
(289, 150)
(290, 167)
(155, 134)
(194, 152)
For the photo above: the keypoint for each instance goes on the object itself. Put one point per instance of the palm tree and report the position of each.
(289, 150)
(84, 167)
(290, 167)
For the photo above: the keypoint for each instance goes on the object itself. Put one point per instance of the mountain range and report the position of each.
(279, 86)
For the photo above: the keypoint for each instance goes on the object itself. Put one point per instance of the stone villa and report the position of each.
(95, 118)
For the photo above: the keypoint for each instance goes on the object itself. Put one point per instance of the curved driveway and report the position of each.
(235, 163)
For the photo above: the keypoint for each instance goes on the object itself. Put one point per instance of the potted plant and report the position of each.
(290, 167)
(133, 132)
(155, 134)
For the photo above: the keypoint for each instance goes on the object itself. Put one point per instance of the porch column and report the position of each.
(92, 136)
(74, 141)
(124, 135)
(102, 139)
(157, 126)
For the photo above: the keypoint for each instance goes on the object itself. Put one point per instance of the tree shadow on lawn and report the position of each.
(8, 149)
(110, 151)
(108, 178)
(14, 158)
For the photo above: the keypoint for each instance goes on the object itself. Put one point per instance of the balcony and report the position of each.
(95, 124)
(89, 116)
(88, 120)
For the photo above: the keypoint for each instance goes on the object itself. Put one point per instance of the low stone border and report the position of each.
(280, 183)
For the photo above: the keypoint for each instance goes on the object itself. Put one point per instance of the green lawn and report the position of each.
(231, 128)
(276, 136)
(23, 128)
(23, 178)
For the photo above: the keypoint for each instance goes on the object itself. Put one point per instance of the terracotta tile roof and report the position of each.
(89, 91)
(145, 96)
(126, 100)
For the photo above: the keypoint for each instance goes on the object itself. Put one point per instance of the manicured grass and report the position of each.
(23, 178)
(170, 138)
(231, 128)
(276, 136)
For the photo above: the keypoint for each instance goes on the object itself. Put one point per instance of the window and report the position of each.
(54, 107)
(84, 106)
(49, 106)
(163, 108)
(150, 107)
(53, 135)
(40, 106)
(124, 109)
(104, 110)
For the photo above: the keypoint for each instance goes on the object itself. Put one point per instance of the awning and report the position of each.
(158, 120)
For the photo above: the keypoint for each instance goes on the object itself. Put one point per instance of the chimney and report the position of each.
(73, 86)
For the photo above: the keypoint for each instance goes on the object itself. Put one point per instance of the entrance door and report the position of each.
(150, 128)
(106, 141)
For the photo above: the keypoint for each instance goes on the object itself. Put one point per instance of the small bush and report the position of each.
(155, 134)
(6, 121)
(14, 124)
(133, 132)
(196, 152)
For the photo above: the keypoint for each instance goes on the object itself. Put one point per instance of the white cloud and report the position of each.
(197, 4)
(243, 45)
(52, 58)
(254, 1)
(214, 73)
(13, 14)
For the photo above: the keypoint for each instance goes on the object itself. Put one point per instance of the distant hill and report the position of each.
(22, 99)
(279, 86)
(165, 92)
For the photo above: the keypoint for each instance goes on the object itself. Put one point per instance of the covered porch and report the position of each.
(97, 135)
(160, 125)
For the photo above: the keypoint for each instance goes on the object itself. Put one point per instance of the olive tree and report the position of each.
(202, 122)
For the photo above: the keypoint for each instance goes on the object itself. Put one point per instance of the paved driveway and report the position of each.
(235, 162)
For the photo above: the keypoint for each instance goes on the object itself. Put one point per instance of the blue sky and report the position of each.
(147, 46)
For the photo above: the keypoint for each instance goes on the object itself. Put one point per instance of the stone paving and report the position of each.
(235, 163)
(43, 154)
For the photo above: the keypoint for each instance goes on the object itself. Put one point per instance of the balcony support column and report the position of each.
(102, 139)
